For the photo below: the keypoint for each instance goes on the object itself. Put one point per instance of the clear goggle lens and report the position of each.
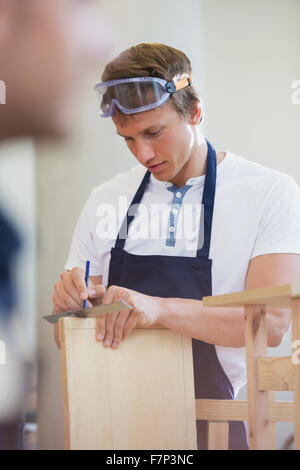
(134, 95)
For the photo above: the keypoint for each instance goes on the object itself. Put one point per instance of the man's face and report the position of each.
(161, 139)
(40, 63)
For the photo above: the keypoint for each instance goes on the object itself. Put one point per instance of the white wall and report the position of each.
(251, 58)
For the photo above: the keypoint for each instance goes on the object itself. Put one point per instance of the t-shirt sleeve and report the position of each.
(279, 227)
(83, 242)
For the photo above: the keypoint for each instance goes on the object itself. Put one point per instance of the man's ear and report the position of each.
(196, 116)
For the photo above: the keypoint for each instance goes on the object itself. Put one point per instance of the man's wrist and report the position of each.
(163, 310)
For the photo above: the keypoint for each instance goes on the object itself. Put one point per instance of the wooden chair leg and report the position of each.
(258, 402)
(218, 435)
(272, 398)
(296, 365)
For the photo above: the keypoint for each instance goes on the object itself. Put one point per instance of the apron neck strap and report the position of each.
(123, 233)
(208, 200)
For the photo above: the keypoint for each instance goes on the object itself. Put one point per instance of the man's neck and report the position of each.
(197, 169)
(195, 166)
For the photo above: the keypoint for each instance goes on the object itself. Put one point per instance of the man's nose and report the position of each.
(144, 152)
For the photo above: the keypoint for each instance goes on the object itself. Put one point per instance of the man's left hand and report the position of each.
(115, 327)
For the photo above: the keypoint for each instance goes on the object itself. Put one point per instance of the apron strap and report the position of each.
(123, 233)
(208, 200)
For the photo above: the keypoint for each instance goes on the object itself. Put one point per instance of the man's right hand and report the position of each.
(70, 292)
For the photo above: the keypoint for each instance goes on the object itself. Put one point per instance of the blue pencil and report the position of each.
(87, 273)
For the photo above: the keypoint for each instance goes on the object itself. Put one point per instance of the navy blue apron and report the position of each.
(185, 277)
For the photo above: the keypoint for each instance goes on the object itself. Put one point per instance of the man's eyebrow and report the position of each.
(154, 126)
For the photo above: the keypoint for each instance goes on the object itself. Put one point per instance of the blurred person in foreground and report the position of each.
(42, 46)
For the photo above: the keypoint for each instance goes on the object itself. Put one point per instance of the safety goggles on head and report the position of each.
(134, 95)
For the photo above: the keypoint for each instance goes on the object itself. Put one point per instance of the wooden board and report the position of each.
(278, 296)
(139, 396)
(237, 410)
(296, 370)
(218, 433)
(259, 429)
(275, 373)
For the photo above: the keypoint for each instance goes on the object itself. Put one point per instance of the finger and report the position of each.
(119, 328)
(69, 286)
(111, 294)
(58, 306)
(100, 328)
(78, 278)
(110, 323)
(56, 336)
(63, 300)
(131, 323)
(96, 293)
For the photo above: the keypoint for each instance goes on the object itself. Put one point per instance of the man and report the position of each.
(42, 50)
(247, 229)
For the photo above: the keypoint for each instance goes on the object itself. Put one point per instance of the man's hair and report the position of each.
(155, 60)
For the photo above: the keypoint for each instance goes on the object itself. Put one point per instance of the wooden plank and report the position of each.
(188, 378)
(237, 410)
(276, 296)
(272, 399)
(218, 435)
(66, 407)
(221, 410)
(90, 323)
(274, 373)
(139, 396)
(296, 368)
(256, 345)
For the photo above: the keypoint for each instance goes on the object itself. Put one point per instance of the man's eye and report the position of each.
(155, 133)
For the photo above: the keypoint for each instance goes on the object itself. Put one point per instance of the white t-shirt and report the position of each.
(256, 212)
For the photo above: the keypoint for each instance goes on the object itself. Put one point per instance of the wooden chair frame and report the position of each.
(265, 375)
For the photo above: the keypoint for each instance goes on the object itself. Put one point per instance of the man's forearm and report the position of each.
(220, 326)
(215, 325)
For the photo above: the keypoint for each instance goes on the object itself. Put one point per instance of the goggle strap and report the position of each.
(182, 83)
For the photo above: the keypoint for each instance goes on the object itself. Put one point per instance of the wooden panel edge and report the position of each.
(237, 410)
(90, 323)
(274, 295)
(188, 372)
(65, 395)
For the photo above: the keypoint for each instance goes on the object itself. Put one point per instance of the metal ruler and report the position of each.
(90, 312)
